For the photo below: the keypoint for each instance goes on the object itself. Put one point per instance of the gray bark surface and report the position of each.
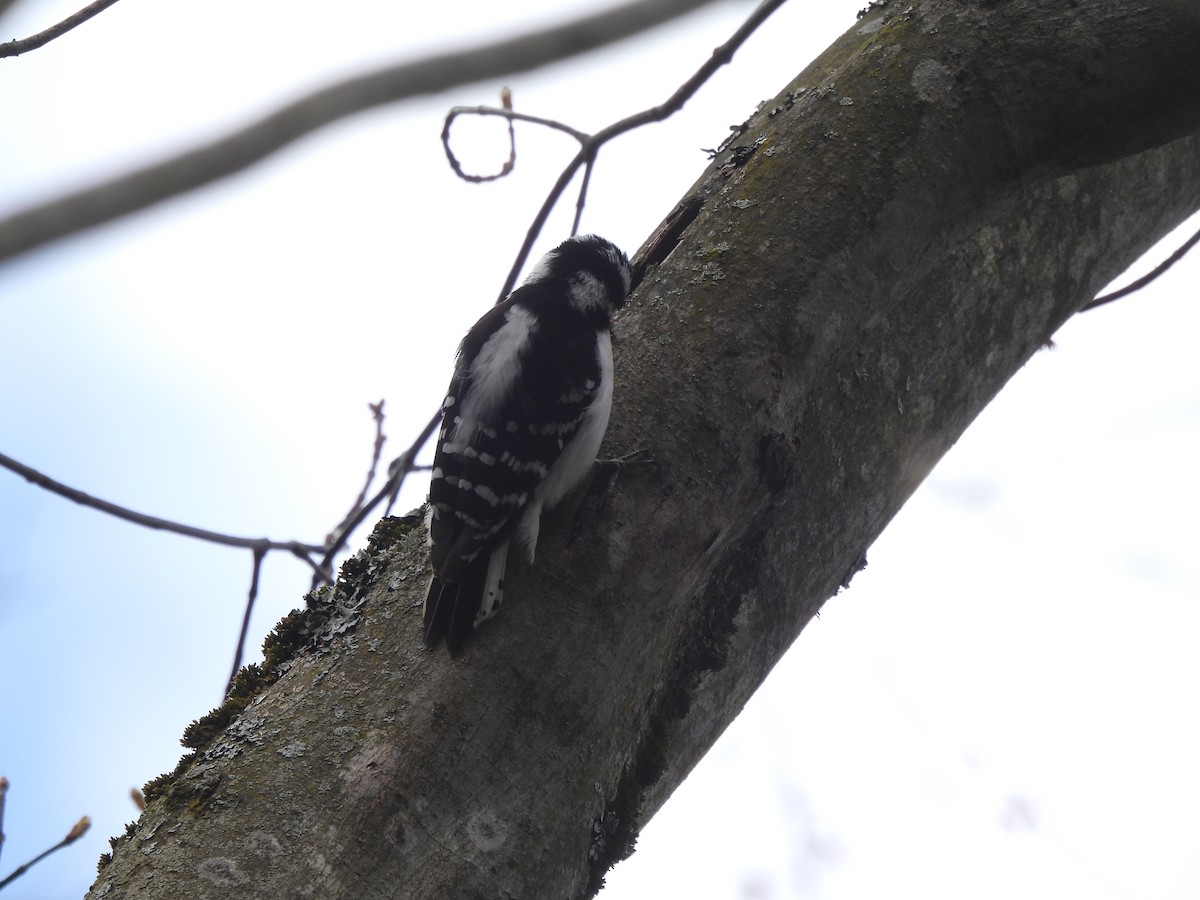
(884, 245)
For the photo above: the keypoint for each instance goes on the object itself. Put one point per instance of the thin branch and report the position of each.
(506, 113)
(512, 116)
(1146, 279)
(581, 202)
(509, 164)
(720, 56)
(320, 572)
(397, 471)
(3, 795)
(214, 537)
(241, 645)
(16, 48)
(77, 831)
(406, 462)
(237, 150)
(377, 451)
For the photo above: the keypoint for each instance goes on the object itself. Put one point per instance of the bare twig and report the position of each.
(581, 201)
(509, 163)
(213, 537)
(506, 112)
(259, 546)
(77, 831)
(252, 143)
(406, 462)
(397, 471)
(16, 48)
(377, 452)
(3, 795)
(241, 645)
(511, 115)
(587, 152)
(1147, 278)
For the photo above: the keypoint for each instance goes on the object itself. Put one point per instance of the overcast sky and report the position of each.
(1002, 705)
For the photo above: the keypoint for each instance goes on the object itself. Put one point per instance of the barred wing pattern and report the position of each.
(522, 421)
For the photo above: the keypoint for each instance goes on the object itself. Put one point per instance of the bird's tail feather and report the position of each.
(493, 583)
(453, 609)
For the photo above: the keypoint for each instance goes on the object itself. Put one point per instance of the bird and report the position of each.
(522, 422)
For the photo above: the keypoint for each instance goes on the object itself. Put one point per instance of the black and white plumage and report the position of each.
(522, 422)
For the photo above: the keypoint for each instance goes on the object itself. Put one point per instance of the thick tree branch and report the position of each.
(87, 208)
(882, 247)
(16, 48)
(5, 4)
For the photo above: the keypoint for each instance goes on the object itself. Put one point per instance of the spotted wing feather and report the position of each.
(513, 406)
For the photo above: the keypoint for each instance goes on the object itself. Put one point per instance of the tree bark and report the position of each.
(880, 249)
